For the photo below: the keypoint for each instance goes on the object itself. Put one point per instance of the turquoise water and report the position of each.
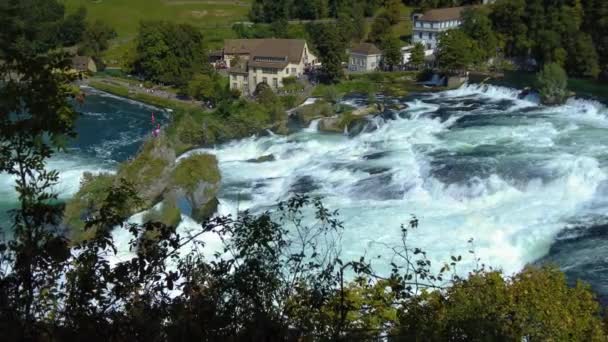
(528, 183)
(110, 130)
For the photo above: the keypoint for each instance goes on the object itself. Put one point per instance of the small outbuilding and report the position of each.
(364, 57)
(84, 64)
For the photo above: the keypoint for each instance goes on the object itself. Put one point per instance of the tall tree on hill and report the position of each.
(582, 57)
(477, 25)
(331, 49)
(381, 28)
(596, 23)
(393, 9)
(508, 21)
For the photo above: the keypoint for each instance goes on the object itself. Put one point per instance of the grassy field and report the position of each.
(214, 17)
(125, 15)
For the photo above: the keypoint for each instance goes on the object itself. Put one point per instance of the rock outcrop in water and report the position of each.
(304, 115)
(191, 185)
(353, 122)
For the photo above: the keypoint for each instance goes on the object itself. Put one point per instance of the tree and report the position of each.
(552, 84)
(488, 307)
(477, 25)
(331, 50)
(36, 121)
(391, 49)
(381, 28)
(205, 88)
(582, 57)
(169, 53)
(393, 11)
(508, 21)
(417, 55)
(73, 27)
(96, 39)
(455, 50)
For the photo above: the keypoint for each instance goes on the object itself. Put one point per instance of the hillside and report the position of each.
(214, 17)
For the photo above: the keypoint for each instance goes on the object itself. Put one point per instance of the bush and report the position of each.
(196, 168)
(552, 84)
(289, 80)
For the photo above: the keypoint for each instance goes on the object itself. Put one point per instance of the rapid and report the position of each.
(528, 183)
(522, 180)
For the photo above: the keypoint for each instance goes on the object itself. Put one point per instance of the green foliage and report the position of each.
(455, 51)
(169, 53)
(381, 29)
(417, 55)
(552, 83)
(391, 49)
(205, 87)
(91, 193)
(331, 49)
(95, 39)
(536, 304)
(478, 26)
(582, 57)
(190, 171)
(73, 27)
(393, 11)
(149, 164)
(305, 114)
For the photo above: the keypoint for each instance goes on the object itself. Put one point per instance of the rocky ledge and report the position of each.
(188, 186)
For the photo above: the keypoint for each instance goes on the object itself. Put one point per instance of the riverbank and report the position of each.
(584, 88)
(157, 100)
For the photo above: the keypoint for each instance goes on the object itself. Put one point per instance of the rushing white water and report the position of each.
(476, 162)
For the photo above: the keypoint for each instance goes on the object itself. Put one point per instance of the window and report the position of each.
(275, 82)
(293, 71)
(264, 80)
(420, 35)
(234, 77)
(270, 71)
(235, 86)
(287, 71)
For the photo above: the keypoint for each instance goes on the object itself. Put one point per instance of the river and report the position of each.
(527, 183)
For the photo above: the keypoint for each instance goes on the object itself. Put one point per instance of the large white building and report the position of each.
(255, 61)
(429, 25)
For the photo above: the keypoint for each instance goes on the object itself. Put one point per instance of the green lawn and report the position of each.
(214, 17)
(125, 15)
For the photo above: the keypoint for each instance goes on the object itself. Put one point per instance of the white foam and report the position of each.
(511, 225)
